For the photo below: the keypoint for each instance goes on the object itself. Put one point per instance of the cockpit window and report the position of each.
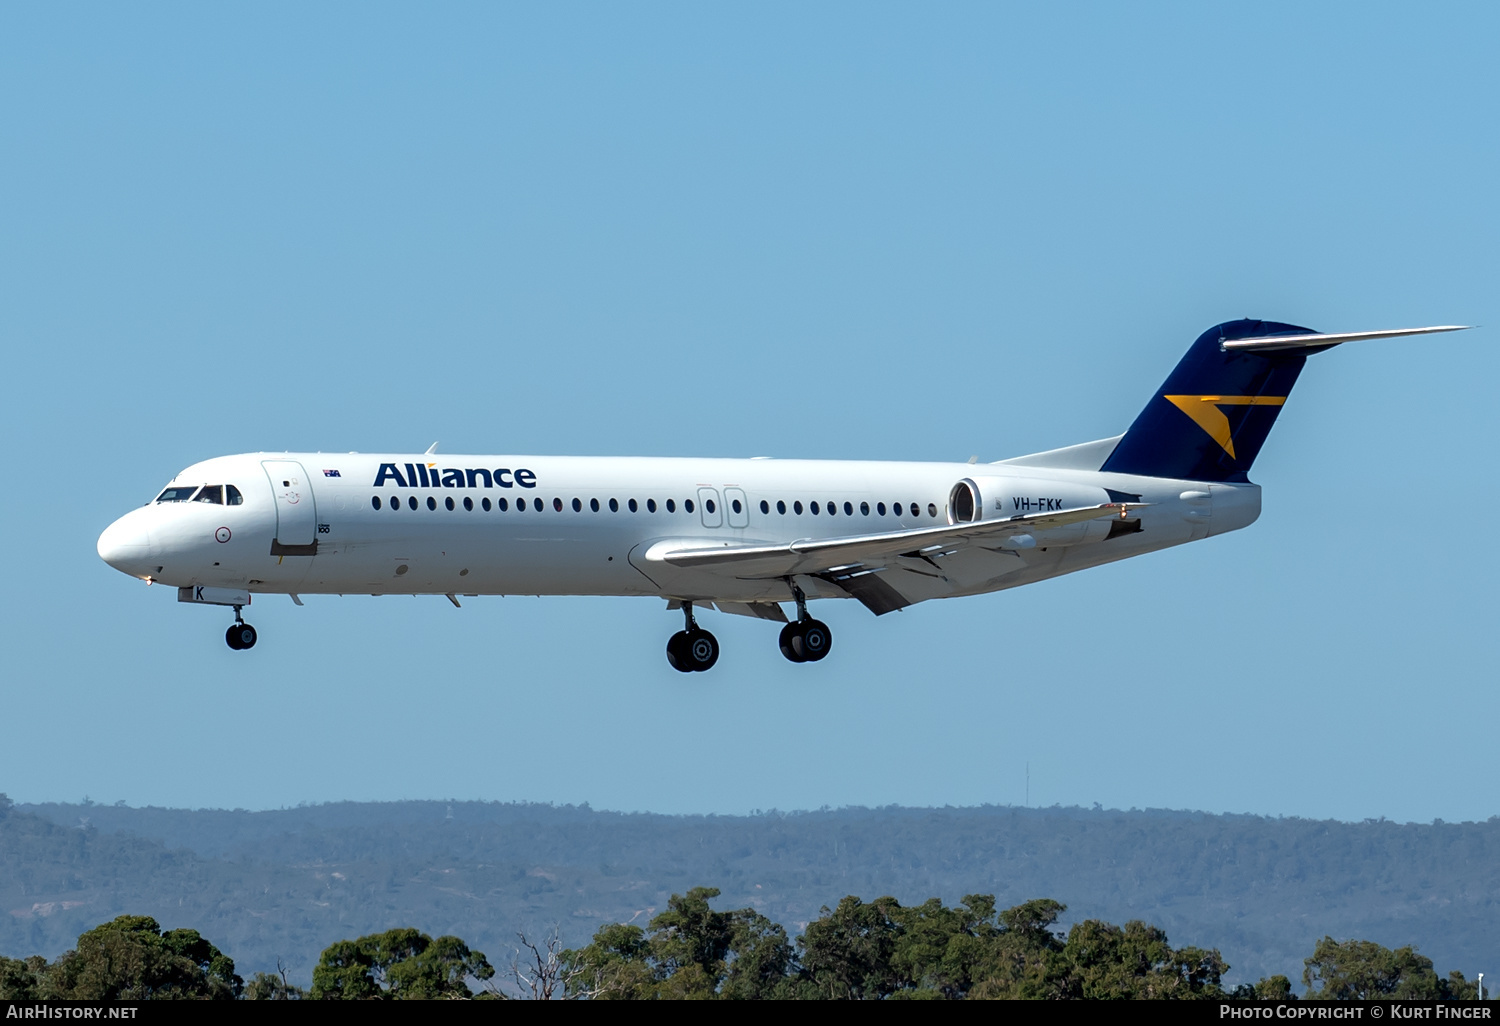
(211, 493)
(177, 493)
(232, 495)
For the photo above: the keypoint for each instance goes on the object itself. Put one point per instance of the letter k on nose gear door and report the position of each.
(296, 512)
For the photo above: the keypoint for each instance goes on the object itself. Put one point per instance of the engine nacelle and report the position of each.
(1000, 498)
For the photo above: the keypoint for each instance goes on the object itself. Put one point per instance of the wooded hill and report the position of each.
(284, 884)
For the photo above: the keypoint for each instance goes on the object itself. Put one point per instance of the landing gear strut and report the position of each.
(240, 635)
(692, 648)
(807, 640)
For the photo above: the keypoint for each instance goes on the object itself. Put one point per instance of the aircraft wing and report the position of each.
(845, 559)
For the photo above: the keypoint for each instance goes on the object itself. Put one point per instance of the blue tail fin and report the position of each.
(1209, 419)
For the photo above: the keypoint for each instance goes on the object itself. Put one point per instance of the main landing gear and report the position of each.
(692, 648)
(807, 640)
(240, 635)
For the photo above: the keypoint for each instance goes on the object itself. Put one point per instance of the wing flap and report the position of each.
(871, 588)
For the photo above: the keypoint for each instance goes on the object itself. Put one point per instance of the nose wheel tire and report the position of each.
(240, 636)
(806, 641)
(692, 650)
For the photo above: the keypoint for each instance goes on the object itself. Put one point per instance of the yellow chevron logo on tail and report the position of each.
(1204, 409)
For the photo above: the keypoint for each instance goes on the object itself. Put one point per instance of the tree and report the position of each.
(131, 959)
(403, 963)
(615, 966)
(690, 942)
(1100, 960)
(1361, 970)
(1268, 988)
(691, 951)
(542, 973)
(761, 959)
(22, 980)
(846, 952)
(273, 987)
(1023, 961)
(1458, 988)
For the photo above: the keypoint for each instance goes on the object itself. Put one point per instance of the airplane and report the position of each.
(742, 536)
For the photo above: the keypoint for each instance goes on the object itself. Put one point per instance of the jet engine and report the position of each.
(1000, 498)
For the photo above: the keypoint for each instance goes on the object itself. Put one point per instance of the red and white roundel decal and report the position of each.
(221, 535)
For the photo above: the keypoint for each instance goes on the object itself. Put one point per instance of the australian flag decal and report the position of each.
(330, 473)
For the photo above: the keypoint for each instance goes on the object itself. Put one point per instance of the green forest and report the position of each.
(691, 951)
(275, 888)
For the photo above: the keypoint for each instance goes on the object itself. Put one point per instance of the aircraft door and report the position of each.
(738, 510)
(708, 507)
(296, 510)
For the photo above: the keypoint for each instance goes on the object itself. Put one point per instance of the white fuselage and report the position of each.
(304, 523)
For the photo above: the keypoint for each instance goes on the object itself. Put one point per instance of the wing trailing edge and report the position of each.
(868, 552)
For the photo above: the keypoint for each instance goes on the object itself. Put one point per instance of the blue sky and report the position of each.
(848, 231)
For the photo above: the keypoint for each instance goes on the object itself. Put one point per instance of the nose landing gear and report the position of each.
(692, 649)
(807, 640)
(240, 635)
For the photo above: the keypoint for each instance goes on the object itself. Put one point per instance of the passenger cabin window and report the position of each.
(178, 493)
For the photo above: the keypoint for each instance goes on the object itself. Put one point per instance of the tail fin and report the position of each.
(1209, 419)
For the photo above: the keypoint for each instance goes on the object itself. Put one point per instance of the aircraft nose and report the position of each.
(126, 545)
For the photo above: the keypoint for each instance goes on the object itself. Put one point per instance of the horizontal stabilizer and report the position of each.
(1274, 343)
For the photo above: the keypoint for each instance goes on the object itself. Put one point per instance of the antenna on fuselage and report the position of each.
(431, 449)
